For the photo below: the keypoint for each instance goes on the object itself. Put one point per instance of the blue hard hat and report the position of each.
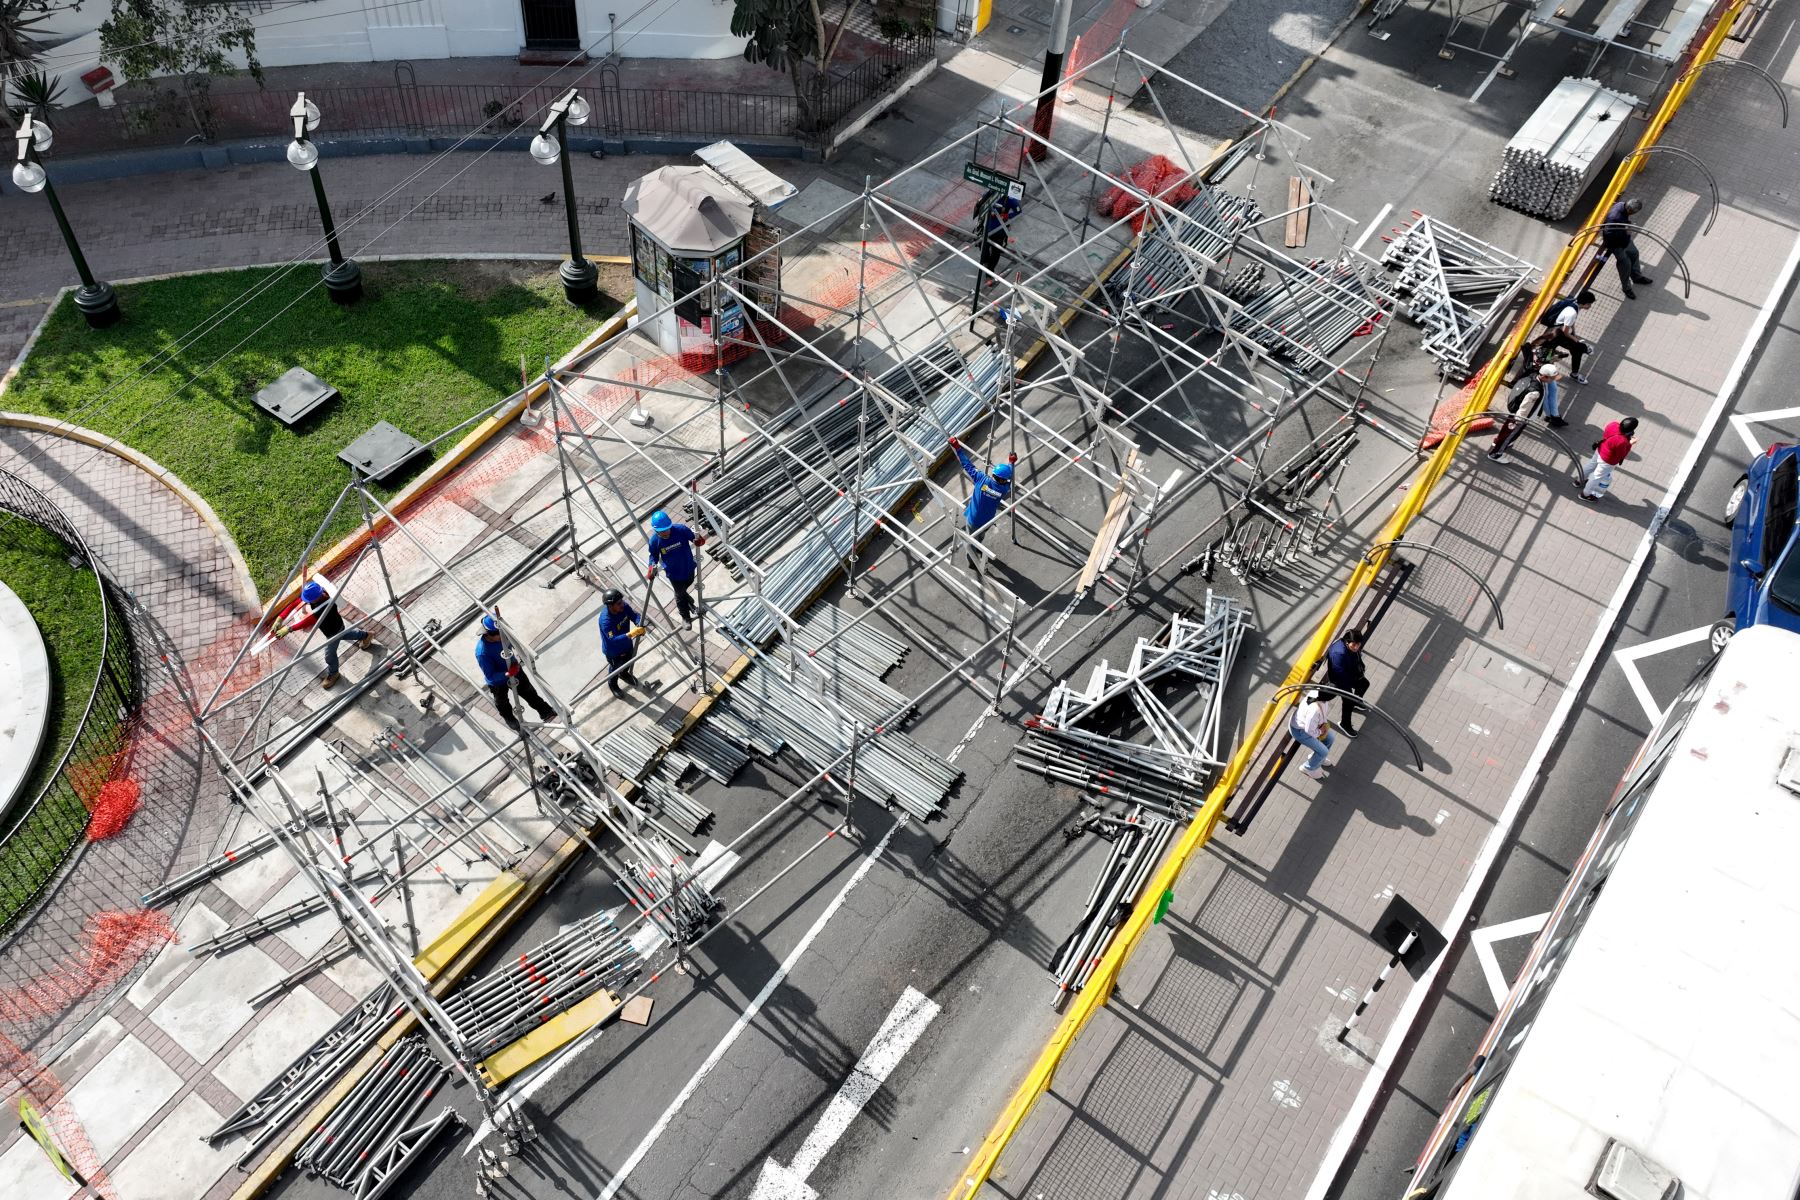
(312, 593)
(491, 625)
(1003, 471)
(659, 521)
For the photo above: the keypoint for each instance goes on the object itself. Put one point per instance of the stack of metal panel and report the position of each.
(1561, 148)
(1460, 288)
(1138, 842)
(497, 1009)
(301, 1081)
(830, 535)
(381, 1114)
(1216, 218)
(1304, 314)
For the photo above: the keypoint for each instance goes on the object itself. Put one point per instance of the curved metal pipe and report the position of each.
(1693, 159)
(1412, 745)
(1687, 280)
(1738, 62)
(1458, 563)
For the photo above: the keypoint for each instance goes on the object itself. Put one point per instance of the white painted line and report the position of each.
(1381, 1070)
(1628, 664)
(910, 1015)
(1742, 422)
(1373, 226)
(743, 1022)
(1482, 940)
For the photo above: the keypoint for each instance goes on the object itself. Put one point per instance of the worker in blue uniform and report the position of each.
(992, 487)
(500, 669)
(619, 631)
(672, 548)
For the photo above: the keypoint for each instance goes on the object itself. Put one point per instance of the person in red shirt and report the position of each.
(1612, 448)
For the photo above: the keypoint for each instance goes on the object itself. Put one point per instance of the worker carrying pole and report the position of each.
(992, 487)
(501, 672)
(620, 628)
(671, 548)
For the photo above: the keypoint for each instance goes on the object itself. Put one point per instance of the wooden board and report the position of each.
(637, 1010)
(1299, 213)
(1106, 541)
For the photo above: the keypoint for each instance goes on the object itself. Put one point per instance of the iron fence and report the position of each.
(38, 836)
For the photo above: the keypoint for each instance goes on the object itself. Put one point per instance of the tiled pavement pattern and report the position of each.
(1214, 1072)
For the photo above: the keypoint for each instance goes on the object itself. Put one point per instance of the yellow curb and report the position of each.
(142, 461)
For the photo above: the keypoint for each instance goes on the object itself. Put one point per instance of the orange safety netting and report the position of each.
(112, 943)
(1450, 410)
(1155, 176)
(24, 1078)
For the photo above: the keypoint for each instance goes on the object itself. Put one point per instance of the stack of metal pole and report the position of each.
(210, 870)
(662, 793)
(385, 1103)
(835, 636)
(630, 749)
(502, 1006)
(1561, 148)
(1214, 221)
(1459, 288)
(829, 535)
(296, 1085)
(671, 894)
(1139, 840)
(713, 752)
(1106, 769)
(1305, 315)
(1294, 484)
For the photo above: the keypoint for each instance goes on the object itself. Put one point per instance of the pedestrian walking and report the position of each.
(619, 631)
(1612, 449)
(671, 548)
(1558, 321)
(1528, 396)
(1344, 670)
(501, 672)
(320, 608)
(994, 237)
(992, 487)
(1309, 727)
(1618, 241)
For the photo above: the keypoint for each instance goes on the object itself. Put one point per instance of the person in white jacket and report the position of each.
(1309, 727)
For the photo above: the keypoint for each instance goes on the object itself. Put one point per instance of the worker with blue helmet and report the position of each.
(672, 548)
(992, 487)
(319, 606)
(500, 669)
(620, 628)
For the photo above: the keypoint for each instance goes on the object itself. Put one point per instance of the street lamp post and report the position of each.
(343, 278)
(95, 298)
(580, 278)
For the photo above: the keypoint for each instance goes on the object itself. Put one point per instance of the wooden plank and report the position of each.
(1106, 540)
(1303, 218)
(1290, 230)
(548, 1038)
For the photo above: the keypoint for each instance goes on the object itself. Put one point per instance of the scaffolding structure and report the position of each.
(808, 442)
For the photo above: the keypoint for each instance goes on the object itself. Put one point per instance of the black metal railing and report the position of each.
(39, 835)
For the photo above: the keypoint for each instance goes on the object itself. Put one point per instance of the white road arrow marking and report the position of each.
(904, 1024)
(1742, 422)
(1628, 660)
(1483, 940)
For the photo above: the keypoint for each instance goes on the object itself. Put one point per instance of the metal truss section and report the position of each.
(1459, 288)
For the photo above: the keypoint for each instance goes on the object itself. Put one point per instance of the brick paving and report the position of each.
(1214, 1072)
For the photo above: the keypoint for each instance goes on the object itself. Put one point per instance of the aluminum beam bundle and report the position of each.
(661, 793)
(391, 1159)
(630, 750)
(1561, 147)
(769, 499)
(743, 730)
(891, 768)
(384, 1105)
(714, 752)
(835, 530)
(838, 638)
(1217, 219)
(298, 1083)
(497, 1009)
(1139, 840)
(1305, 315)
(1459, 288)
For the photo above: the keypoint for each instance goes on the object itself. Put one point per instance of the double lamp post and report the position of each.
(95, 298)
(343, 278)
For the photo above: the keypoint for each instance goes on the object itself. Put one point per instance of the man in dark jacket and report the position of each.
(1344, 669)
(319, 605)
(1617, 239)
(619, 632)
(500, 669)
(672, 548)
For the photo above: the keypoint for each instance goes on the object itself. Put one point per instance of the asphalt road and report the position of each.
(1683, 592)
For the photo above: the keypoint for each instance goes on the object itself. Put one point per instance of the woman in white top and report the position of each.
(1309, 727)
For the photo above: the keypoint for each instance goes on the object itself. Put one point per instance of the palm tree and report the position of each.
(18, 41)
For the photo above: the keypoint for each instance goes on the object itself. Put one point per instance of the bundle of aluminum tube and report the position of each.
(729, 723)
(629, 750)
(671, 894)
(1166, 259)
(385, 1103)
(714, 753)
(661, 793)
(1141, 838)
(835, 637)
(1107, 770)
(763, 488)
(296, 1085)
(891, 768)
(502, 1006)
(1305, 315)
(1561, 147)
(834, 531)
(1460, 287)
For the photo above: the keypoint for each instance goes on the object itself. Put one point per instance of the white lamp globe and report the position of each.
(579, 111)
(303, 155)
(312, 116)
(545, 149)
(28, 177)
(41, 135)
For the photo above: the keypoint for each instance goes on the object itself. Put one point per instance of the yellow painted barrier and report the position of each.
(549, 1037)
(468, 924)
(1106, 973)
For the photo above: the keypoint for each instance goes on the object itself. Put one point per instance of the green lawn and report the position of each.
(431, 344)
(66, 604)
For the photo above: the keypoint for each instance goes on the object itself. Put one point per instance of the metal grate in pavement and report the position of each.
(1193, 1000)
(1242, 916)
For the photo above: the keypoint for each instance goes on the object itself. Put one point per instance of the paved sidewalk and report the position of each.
(1215, 1070)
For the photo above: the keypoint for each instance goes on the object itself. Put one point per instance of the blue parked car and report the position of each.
(1763, 578)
